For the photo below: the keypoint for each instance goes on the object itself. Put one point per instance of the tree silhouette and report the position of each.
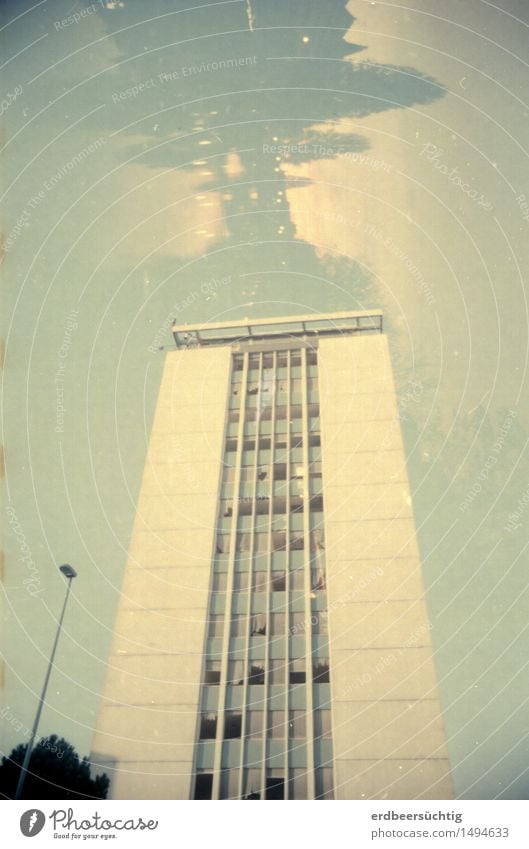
(55, 772)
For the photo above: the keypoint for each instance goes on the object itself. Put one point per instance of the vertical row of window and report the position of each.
(274, 569)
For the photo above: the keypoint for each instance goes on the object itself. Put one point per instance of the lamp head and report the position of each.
(68, 571)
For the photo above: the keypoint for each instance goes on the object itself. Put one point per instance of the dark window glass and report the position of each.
(275, 785)
(212, 673)
(257, 673)
(321, 672)
(232, 724)
(297, 671)
(208, 726)
(203, 785)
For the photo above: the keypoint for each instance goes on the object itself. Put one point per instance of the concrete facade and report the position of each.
(146, 726)
(387, 722)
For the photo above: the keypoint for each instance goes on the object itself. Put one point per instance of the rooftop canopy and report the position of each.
(228, 332)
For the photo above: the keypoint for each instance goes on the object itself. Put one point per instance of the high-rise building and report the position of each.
(272, 638)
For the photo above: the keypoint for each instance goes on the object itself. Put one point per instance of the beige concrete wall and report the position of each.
(387, 722)
(146, 725)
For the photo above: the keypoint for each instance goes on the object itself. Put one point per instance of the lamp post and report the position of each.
(70, 573)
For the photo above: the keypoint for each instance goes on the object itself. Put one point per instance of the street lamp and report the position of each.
(70, 573)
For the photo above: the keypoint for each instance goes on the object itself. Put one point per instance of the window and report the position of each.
(278, 582)
(297, 580)
(320, 671)
(238, 625)
(243, 542)
(223, 544)
(203, 785)
(297, 725)
(216, 626)
(297, 785)
(208, 726)
(296, 542)
(236, 673)
(317, 579)
(254, 723)
(259, 581)
(229, 784)
(276, 724)
(241, 581)
(212, 672)
(252, 784)
(275, 784)
(261, 543)
(277, 624)
(220, 582)
(257, 672)
(324, 783)
(297, 671)
(322, 723)
(320, 623)
(298, 624)
(258, 625)
(277, 671)
(232, 724)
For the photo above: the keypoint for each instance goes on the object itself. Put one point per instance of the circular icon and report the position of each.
(32, 822)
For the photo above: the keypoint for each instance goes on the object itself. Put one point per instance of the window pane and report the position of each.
(320, 623)
(220, 582)
(236, 673)
(297, 784)
(238, 625)
(254, 723)
(258, 625)
(322, 723)
(321, 672)
(212, 673)
(297, 671)
(277, 624)
(278, 583)
(297, 725)
(276, 724)
(223, 544)
(203, 785)
(297, 579)
(298, 624)
(252, 784)
(232, 724)
(259, 581)
(240, 581)
(216, 626)
(275, 784)
(208, 726)
(324, 783)
(257, 673)
(277, 671)
(229, 784)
